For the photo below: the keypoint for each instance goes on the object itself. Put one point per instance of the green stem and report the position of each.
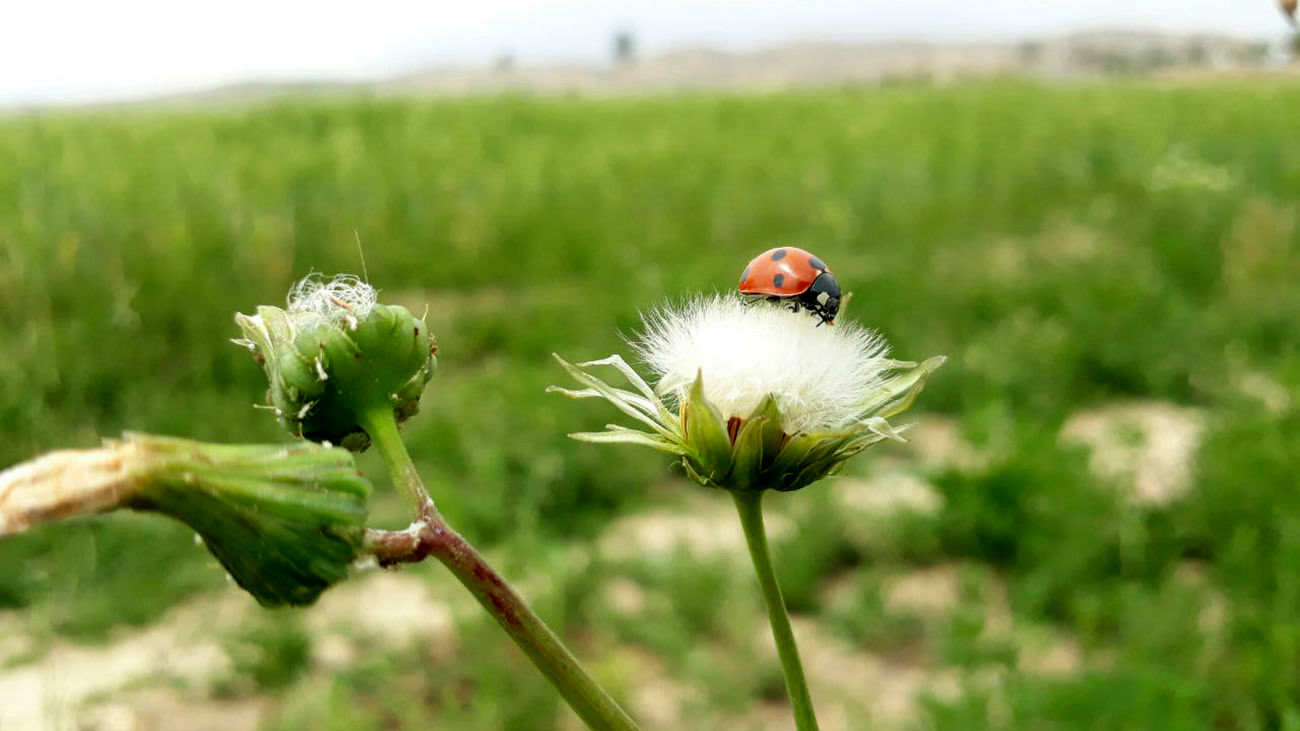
(380, 424)
(592, 704)
(749, 505)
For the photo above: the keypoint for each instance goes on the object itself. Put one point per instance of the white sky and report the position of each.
(84, 50)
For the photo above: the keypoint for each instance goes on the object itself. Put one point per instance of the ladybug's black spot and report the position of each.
(778, 255)
(744, 275)
(778, 279)
(816, 263)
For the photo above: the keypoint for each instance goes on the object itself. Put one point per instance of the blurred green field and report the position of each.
(1067, 247)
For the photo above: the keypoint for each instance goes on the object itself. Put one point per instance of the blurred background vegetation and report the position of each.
(1076, 250)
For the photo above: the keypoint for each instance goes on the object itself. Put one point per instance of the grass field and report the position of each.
(1077, 252)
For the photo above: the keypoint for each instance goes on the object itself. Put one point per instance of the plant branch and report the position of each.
(430, 535)
(382, 427)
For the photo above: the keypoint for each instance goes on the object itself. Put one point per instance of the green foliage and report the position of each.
(1243, 518)
(816, 550)
(1015, 513)
(268, 656)
(420, 688)
(1064, 246)
(86, 577)
(868, 623)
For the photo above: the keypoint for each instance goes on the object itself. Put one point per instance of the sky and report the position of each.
(73, 51)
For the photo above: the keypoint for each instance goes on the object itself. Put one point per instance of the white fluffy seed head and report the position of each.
(342, 298)
(820, 376)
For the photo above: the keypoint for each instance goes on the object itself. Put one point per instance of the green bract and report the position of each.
(744, 454)
(285, 521)
(329, 366)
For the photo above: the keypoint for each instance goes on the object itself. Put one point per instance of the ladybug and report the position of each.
(793, 275)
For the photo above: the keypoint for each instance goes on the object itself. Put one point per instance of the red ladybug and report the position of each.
(793, 275)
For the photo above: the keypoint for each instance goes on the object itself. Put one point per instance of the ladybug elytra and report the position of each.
(793, 275)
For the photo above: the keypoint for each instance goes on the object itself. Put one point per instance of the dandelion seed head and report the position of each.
(821, 376)
(343, 299)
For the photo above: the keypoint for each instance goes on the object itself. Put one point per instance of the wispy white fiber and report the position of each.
(343, 298)
(820, 376)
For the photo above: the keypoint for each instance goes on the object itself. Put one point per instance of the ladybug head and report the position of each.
(823, 297)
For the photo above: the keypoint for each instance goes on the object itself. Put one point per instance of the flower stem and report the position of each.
(749, 505)
(381, 425)
(435, 537)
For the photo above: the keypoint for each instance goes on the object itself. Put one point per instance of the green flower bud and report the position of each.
(336, 354)
(285, 521)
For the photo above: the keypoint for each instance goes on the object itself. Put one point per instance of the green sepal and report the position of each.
(790, 459)
(286, 522)
(694, 474)
(747, 456)
(637, 406)
(773, 434)
(812, 472)
(622, 435)
(898, 393)
(706, 433)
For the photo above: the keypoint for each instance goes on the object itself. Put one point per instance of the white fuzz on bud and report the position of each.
(754, 397)
(343, 298)
(821, 376)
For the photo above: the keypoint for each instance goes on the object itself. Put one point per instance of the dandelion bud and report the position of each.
(336, 354)
(285, 521)
(755, 398)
